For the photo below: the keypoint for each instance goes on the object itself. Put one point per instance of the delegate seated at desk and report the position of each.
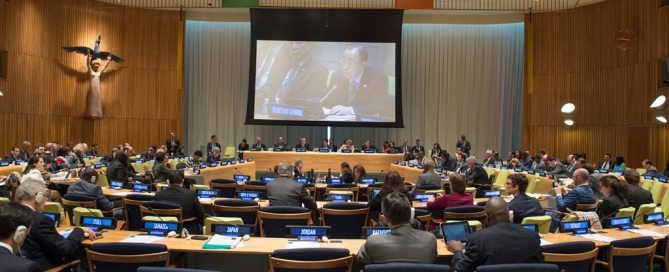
(357, 88)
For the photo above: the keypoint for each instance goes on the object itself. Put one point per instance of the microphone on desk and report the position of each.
(600, 219)
(328, 94)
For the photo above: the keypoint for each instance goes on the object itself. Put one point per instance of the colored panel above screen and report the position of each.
(240, 3)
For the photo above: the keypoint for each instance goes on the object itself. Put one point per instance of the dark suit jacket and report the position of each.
(464, 145)
(610, 206)
(370, 99)
(47, 247)
(523, 206)
(211, 145)
(347, 177)
(429, 178)
(11, 159)
(637, 196)
(13, 263)
(498, 244)
(287, 192)
(88, 189)
(479, 175)
(243, 146)
(306, 146)
(652, 171)
(401, 244)
(559, 171)
(161, 171)
(259, 146)
(610, 166)
(211, 159)
(418, 148)
(117, 171)
(171, 149)
(189, 202)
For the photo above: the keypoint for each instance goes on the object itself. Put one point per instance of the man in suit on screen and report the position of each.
(303, 79)
(358, 89)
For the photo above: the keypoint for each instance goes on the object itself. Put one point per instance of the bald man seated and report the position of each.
(502, 242)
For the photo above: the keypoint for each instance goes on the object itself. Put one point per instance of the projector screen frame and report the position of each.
(335, 31)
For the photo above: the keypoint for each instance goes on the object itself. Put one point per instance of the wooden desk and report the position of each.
(226, 172)
(256, 245)
(320, 162)
(613, 233)
(6, 170)
(410, 174)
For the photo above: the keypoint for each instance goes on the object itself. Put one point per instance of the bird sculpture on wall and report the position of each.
(94, 59)
(94, 53)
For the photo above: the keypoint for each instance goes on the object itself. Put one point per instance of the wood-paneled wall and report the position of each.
(572, 57)
(45, 93)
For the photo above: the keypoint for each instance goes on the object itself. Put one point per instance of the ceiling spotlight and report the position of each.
(659, 102)
(569, 122)
(568, 108)
(662, 118)
(2, 94)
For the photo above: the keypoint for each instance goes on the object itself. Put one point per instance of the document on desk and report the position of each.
(598, 237)
(646, 232)
(302, 244)
(143, 239)
(65, 233)
(222, 242)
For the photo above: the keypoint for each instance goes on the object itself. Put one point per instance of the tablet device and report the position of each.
(54, 216)
(455, 231)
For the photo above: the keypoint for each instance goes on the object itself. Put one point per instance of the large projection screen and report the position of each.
(325, 68)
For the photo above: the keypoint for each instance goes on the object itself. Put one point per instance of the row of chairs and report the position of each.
(632, 255)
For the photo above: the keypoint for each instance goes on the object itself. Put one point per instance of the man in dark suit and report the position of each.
(280, 144)
(429, 177)
(358, 89)
(13, 155)
(476, 173)
(212, 144)
(190, 204)
(173, 144)
(522, 205)
(87, 186)
(258, 145)
(302, 143)
(556, 168)
(44, 244)
(489, 159)
(650, 169)
(367, 145)
(405, 149)
(636, 196)
(16, 220)
(463, 145)
(418, 147)
(402, 243)
(215, 156)
(581, 194)
(497, 244)
(284, 191)
(161, 169)
(606, 164)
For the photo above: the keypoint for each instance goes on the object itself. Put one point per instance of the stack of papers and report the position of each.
(646, 232)
(222, 242)
(302, 244)
(598, 237)
(144, 239)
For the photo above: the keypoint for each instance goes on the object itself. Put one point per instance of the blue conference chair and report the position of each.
(346, 219)
(247, 210)
(311, 259)
(274, 219)
(228, 187)
(166, 269)
(114, 257)
(131, 204)
(631, 255)
(518, 268)
(573, 256)
(406, 267)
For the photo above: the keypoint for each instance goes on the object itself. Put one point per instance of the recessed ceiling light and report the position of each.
(569, 122)
(659, 102)
(568, 108)
(662, 118)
